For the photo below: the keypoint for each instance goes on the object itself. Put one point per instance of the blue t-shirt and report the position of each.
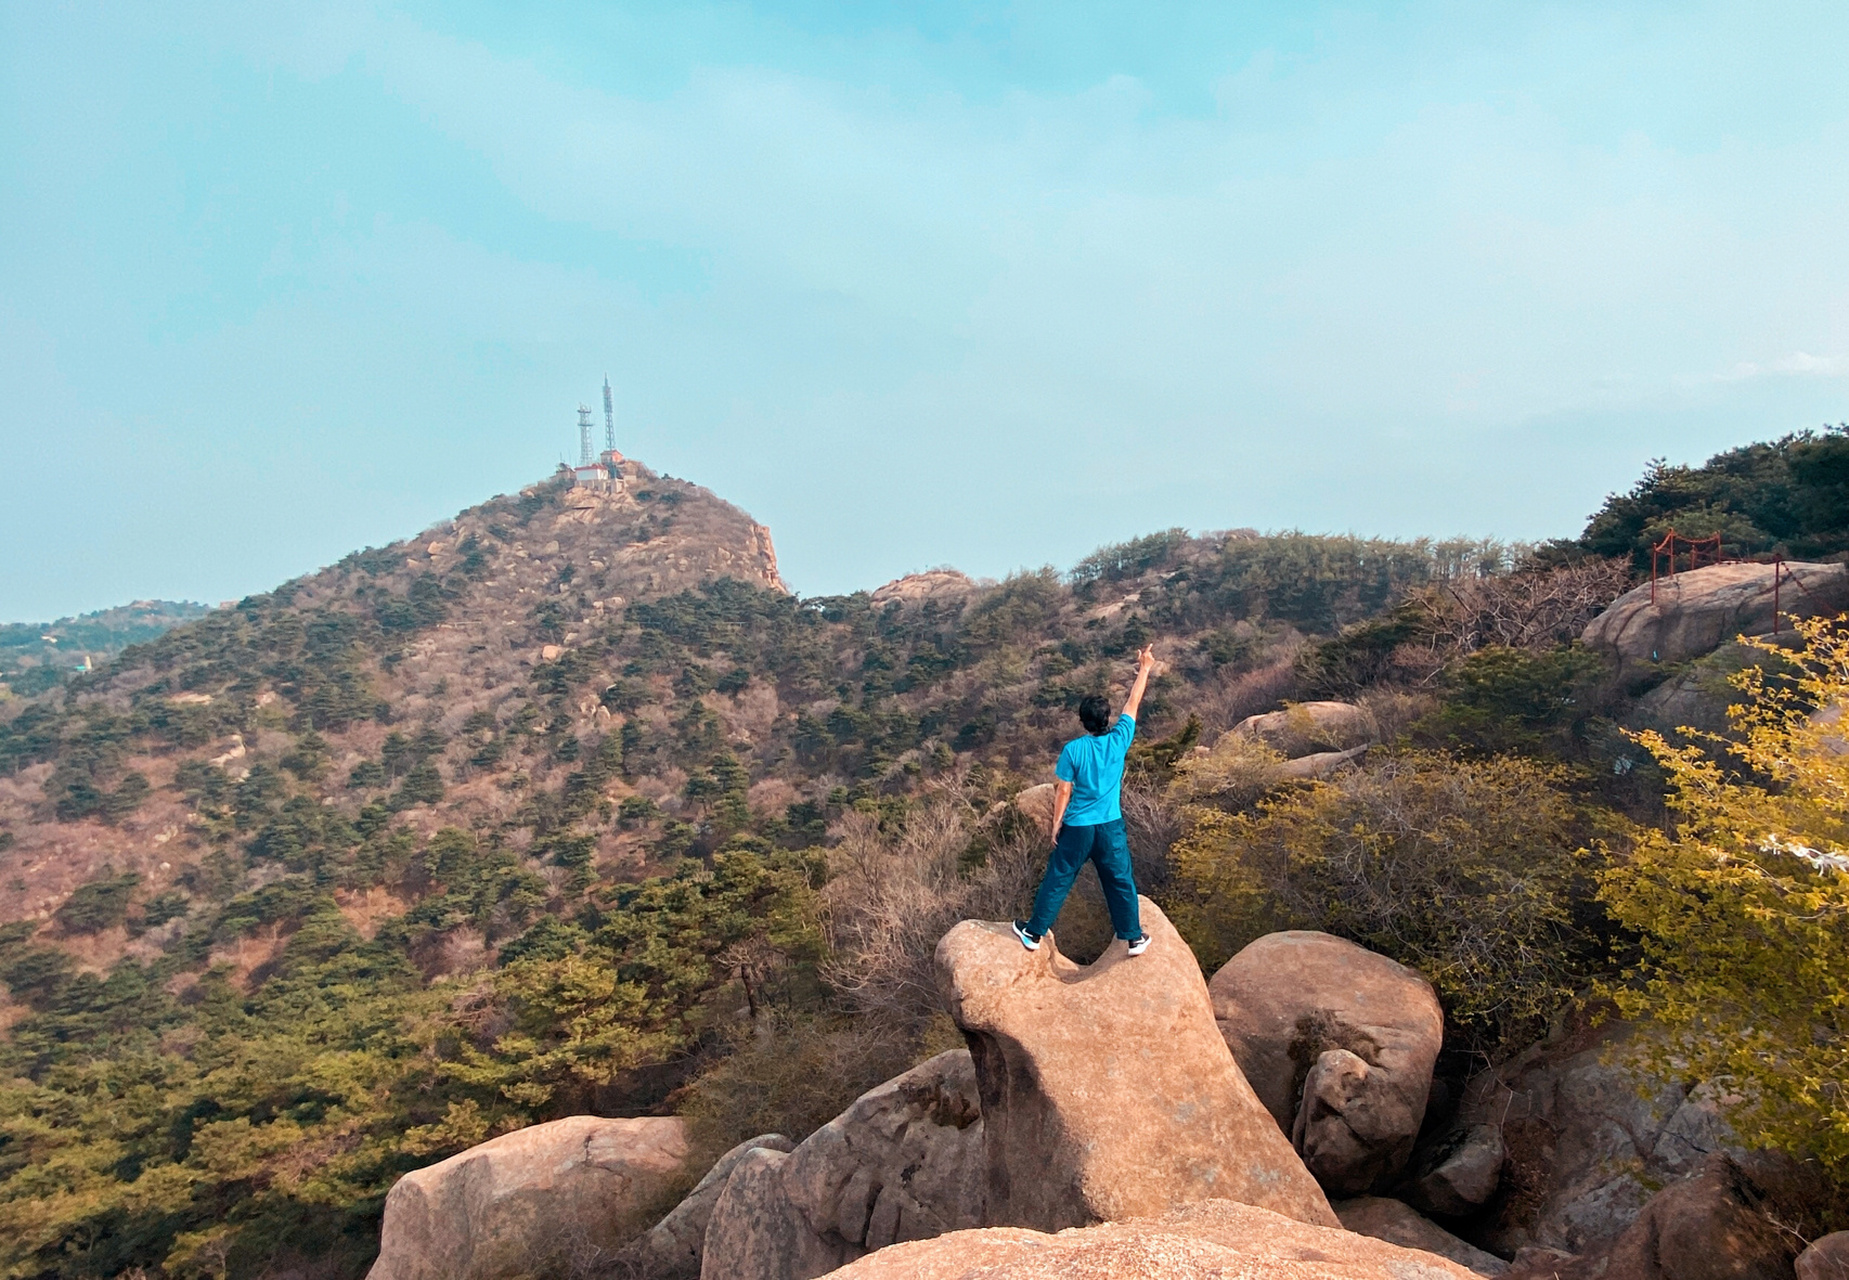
(1094, 765)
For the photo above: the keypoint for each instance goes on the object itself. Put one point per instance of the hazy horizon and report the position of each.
(913, 285)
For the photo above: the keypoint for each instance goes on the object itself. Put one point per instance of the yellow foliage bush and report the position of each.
(1743, 906)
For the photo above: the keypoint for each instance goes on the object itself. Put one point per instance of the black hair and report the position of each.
(1095, 713)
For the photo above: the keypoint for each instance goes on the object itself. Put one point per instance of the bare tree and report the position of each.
(1524, 610)
(895, 893)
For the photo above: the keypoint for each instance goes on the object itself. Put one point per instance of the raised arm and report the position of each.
(1145, 663)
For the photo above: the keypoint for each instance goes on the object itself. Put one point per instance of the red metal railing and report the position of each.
(1671, 546)
(1708, 550)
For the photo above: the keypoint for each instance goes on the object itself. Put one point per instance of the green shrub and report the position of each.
(98, 905)
(1465, 869)
(1513, 700)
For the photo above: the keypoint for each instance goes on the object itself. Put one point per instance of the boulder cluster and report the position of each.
(1130, 1117)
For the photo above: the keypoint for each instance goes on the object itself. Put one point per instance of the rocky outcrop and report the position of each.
(563, 1193)
(1589, 1133)
(1210, 1240)
(1108, 1091)
(758, 1230)
(1826, 1259)
(1317, 765)
(1311, 728)
(1724, 1223)
(904, 1162)
(710, 537)
(1398, 1223)
(1696, 696)
(946, 587)
(1338, 1043)
(672, 1248)
(1038, 802)
(1696, 612)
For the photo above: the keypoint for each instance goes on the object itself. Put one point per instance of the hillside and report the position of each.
(569, 805)
(35, 656)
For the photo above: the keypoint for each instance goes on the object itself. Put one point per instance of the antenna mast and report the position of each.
(609, 417)
(585, 457)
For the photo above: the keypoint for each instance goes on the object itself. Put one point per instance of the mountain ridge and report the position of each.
(568, 805)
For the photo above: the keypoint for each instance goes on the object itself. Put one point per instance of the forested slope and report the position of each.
(36, 656)
(569, 805)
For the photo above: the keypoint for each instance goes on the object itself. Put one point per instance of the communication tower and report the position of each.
(585, 457)
(609, 418)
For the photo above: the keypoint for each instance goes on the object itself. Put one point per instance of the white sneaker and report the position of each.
(1141, 945)
(1028, 940)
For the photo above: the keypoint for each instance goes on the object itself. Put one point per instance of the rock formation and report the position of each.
(566, 1192)
(1210, 1240)
(1037, 802)
(1589, 1134)
(1338, 1043)
(672, 1248)
(1725, 1223)
(947, 587)
(903, 1162)
(1398, 1223)
(1698, 611)
(1826, 1259)
(757, 1230)
(1108, 1091)
(1311, 728)
(1319, 764)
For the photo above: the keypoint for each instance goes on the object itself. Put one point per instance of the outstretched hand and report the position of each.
(1145, 663)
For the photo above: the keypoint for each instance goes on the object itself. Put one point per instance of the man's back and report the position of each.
(1094, 765)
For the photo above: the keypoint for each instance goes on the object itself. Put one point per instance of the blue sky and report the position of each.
(982, 285)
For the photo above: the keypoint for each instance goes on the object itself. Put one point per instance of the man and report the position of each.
(1088, 820)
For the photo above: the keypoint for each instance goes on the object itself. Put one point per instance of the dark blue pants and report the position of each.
(1104, 846)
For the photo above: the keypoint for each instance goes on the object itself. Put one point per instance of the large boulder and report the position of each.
(1038, 803)
(1826, 1259)
(1725, 1223)
(673, 1247)
(1338, 1043)
(757, 1230)
(1311, 728)
(1696, 612)
(1209, 1240)
(904, 1162)
(1107, 1090)
(1399, 1223)
(565, 1193)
